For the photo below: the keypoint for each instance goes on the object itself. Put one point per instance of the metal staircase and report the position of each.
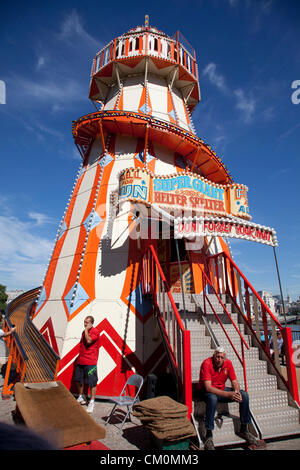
(193, 326)
(274, 411)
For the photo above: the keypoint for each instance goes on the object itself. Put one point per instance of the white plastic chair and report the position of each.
(124, 399)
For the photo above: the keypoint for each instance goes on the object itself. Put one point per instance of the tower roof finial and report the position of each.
(146, 21)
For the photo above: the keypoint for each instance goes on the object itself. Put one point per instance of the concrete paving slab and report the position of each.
(133, 436)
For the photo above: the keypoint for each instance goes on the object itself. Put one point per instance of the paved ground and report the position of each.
(133, 436)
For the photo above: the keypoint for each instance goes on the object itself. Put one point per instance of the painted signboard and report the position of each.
(186, 191)
(222, 227)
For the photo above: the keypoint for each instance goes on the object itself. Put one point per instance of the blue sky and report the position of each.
(248, 57)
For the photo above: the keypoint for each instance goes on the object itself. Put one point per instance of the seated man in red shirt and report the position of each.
(86, 367)
(214, 373)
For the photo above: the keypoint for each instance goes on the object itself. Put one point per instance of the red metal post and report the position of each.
(248, 307)
(232, 282)
(244, 366)
(217, 274)
(266, 332)
(203, 291)
(226, 274)
(6, 392)
(290, 363)
(177, 45)
(187, 371)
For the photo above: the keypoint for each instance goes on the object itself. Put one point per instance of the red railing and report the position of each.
(206, 280)
(229, 279)
(17, 356)
(147, 43)
(176, 337)
(20, 355)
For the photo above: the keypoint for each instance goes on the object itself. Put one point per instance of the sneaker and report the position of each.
(209, 444)
(81, 400)
(90, 407)
(249, 438)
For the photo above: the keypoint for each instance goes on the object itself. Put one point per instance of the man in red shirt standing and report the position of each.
(86, 367)
(214, 373)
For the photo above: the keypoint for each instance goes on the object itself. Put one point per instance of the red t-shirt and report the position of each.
(218, 379)
(88, 353)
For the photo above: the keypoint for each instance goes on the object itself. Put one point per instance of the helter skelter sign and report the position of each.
(200, 206)
(186, 191)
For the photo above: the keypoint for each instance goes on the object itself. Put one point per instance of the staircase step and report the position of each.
(251, 354)
(252, 373)
(217, 306)
(232, 409)
(268, 401)
(225, 431)
(189, 307)
(269, 405)
(199, 335)
(194, 324)
(280, 422)
(198, 298)
(260, 383)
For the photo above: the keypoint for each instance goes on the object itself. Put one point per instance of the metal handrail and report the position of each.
(180, 354)
(291, 383)
(243, 342)
(251, 287)
(224, 307)
(17, 353)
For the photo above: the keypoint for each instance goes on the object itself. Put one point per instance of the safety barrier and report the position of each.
(30, 356)
(146, 43)
(205, 280)
(176, 338)
(229, 279)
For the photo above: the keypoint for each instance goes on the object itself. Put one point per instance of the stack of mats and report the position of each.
(165, 418)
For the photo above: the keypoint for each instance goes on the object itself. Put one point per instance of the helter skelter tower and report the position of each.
(145, 87)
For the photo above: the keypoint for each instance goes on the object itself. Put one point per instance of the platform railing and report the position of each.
(17, 357)
(146, 43)
(176, 338)
(229, 279)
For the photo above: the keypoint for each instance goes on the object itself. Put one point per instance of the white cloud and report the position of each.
(41, 219)
(24, 253)
(233, 3)
(50, 131)
(289, 131)
(50, 90)
(40, 63)
(245, 104)
(72, 28)
(215, 78)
